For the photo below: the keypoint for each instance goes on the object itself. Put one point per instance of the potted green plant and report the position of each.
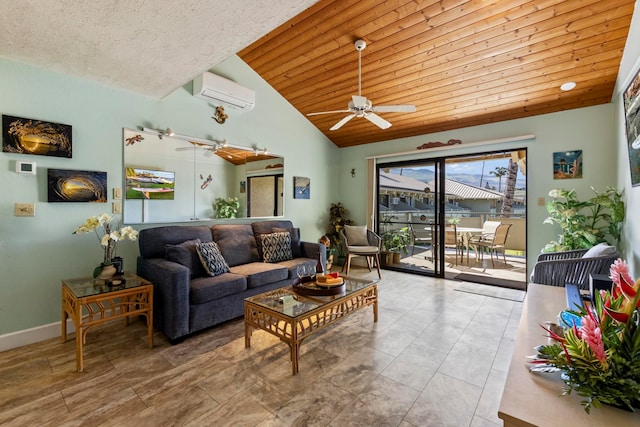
(338, 218)
(586, 223)
(226, 208)
(395, 241)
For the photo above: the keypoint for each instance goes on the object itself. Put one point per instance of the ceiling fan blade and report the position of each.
(329, 112)
(394, 109)
(342, 122)
(359, 101)
(377, 120)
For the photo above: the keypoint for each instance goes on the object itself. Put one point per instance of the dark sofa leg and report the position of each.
(174, 341)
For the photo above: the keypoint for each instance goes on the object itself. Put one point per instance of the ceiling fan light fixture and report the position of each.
(567, 86)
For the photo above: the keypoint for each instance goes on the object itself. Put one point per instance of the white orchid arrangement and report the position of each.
(109, 233)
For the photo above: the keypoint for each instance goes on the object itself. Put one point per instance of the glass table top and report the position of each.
(286, 301)
(87, 287)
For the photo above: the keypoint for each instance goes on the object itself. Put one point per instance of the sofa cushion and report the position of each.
(261, 273)
(600, 249)
(153, 241)
(276, 247)
(207, 288)
(236, 243)
(296, 249)
(356, 235)
(186, 254)
(292, 265)
(212, 259)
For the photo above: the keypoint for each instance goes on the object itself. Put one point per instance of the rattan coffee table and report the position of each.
(293, 317)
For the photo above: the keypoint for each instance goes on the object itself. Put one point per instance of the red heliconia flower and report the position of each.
(617, 315)
(627, 287)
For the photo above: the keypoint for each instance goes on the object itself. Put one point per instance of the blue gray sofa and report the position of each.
(187, 299)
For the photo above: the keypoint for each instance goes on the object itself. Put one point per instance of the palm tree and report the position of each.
(499, 173)
(509, 189)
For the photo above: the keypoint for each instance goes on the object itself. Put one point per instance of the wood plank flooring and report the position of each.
(436, 357)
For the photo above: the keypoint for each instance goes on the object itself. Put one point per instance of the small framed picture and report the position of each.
(567, 164)
(301, 187)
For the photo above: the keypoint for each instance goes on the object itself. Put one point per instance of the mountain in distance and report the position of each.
(426, 175)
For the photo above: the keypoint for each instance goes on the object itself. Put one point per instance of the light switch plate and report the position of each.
(25, 209)
(117, 193)
(541, 201)
(116, 207)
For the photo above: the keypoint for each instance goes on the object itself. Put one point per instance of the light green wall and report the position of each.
(36, 253)
(589, 129)
(629, 66)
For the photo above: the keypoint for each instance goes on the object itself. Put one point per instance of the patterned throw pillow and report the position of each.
(276, 247)
(212, 259)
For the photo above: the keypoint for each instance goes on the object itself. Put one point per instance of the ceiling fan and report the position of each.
(360, 106)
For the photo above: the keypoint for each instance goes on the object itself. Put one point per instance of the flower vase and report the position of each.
(104, 271)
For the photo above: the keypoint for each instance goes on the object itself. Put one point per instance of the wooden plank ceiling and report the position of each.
(461, 63)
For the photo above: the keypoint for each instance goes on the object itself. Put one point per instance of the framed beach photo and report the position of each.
(631, 99)
(567, 164)
(301, 187)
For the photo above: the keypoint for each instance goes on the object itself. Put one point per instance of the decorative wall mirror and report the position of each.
(174, 178)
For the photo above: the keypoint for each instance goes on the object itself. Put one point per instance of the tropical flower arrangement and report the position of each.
(109, 233)
(600, 357)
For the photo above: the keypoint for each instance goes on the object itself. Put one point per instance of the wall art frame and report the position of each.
(36, 137)
(631, 98)
(65, 185)
(567, 164)
(301, 187)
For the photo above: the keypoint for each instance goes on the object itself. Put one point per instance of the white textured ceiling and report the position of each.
(150, 47)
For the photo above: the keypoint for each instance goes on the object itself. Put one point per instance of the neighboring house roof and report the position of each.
(459, 190)
(393, 181)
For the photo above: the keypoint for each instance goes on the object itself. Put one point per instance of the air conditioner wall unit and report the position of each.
(213, 87)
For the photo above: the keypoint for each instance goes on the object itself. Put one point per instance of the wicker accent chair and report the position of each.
(560, 268)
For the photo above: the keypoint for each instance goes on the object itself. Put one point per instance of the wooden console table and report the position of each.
(89, 302)
(535, 399)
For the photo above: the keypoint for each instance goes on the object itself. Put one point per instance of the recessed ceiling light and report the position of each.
(568, 86)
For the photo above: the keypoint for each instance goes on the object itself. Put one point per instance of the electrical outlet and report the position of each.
(117, 193)
(25, 209)
(116, 207)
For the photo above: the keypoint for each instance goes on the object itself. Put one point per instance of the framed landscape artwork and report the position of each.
(632, 123)
(65, 185)
(567, 164)
(301, 187)
(28, 136)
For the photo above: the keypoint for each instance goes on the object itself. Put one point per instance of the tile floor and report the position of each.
(436, 357)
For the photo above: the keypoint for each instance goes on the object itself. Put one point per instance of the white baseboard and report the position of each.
(33, 335)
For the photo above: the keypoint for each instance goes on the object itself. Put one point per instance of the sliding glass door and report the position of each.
(409, 215)
(438, 216)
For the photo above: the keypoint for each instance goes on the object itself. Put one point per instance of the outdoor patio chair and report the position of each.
(451, 241)
(496, 244)
(360, 241)
(560, 268)
(421, 237)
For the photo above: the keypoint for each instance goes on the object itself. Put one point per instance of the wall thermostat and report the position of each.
(26, 168)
